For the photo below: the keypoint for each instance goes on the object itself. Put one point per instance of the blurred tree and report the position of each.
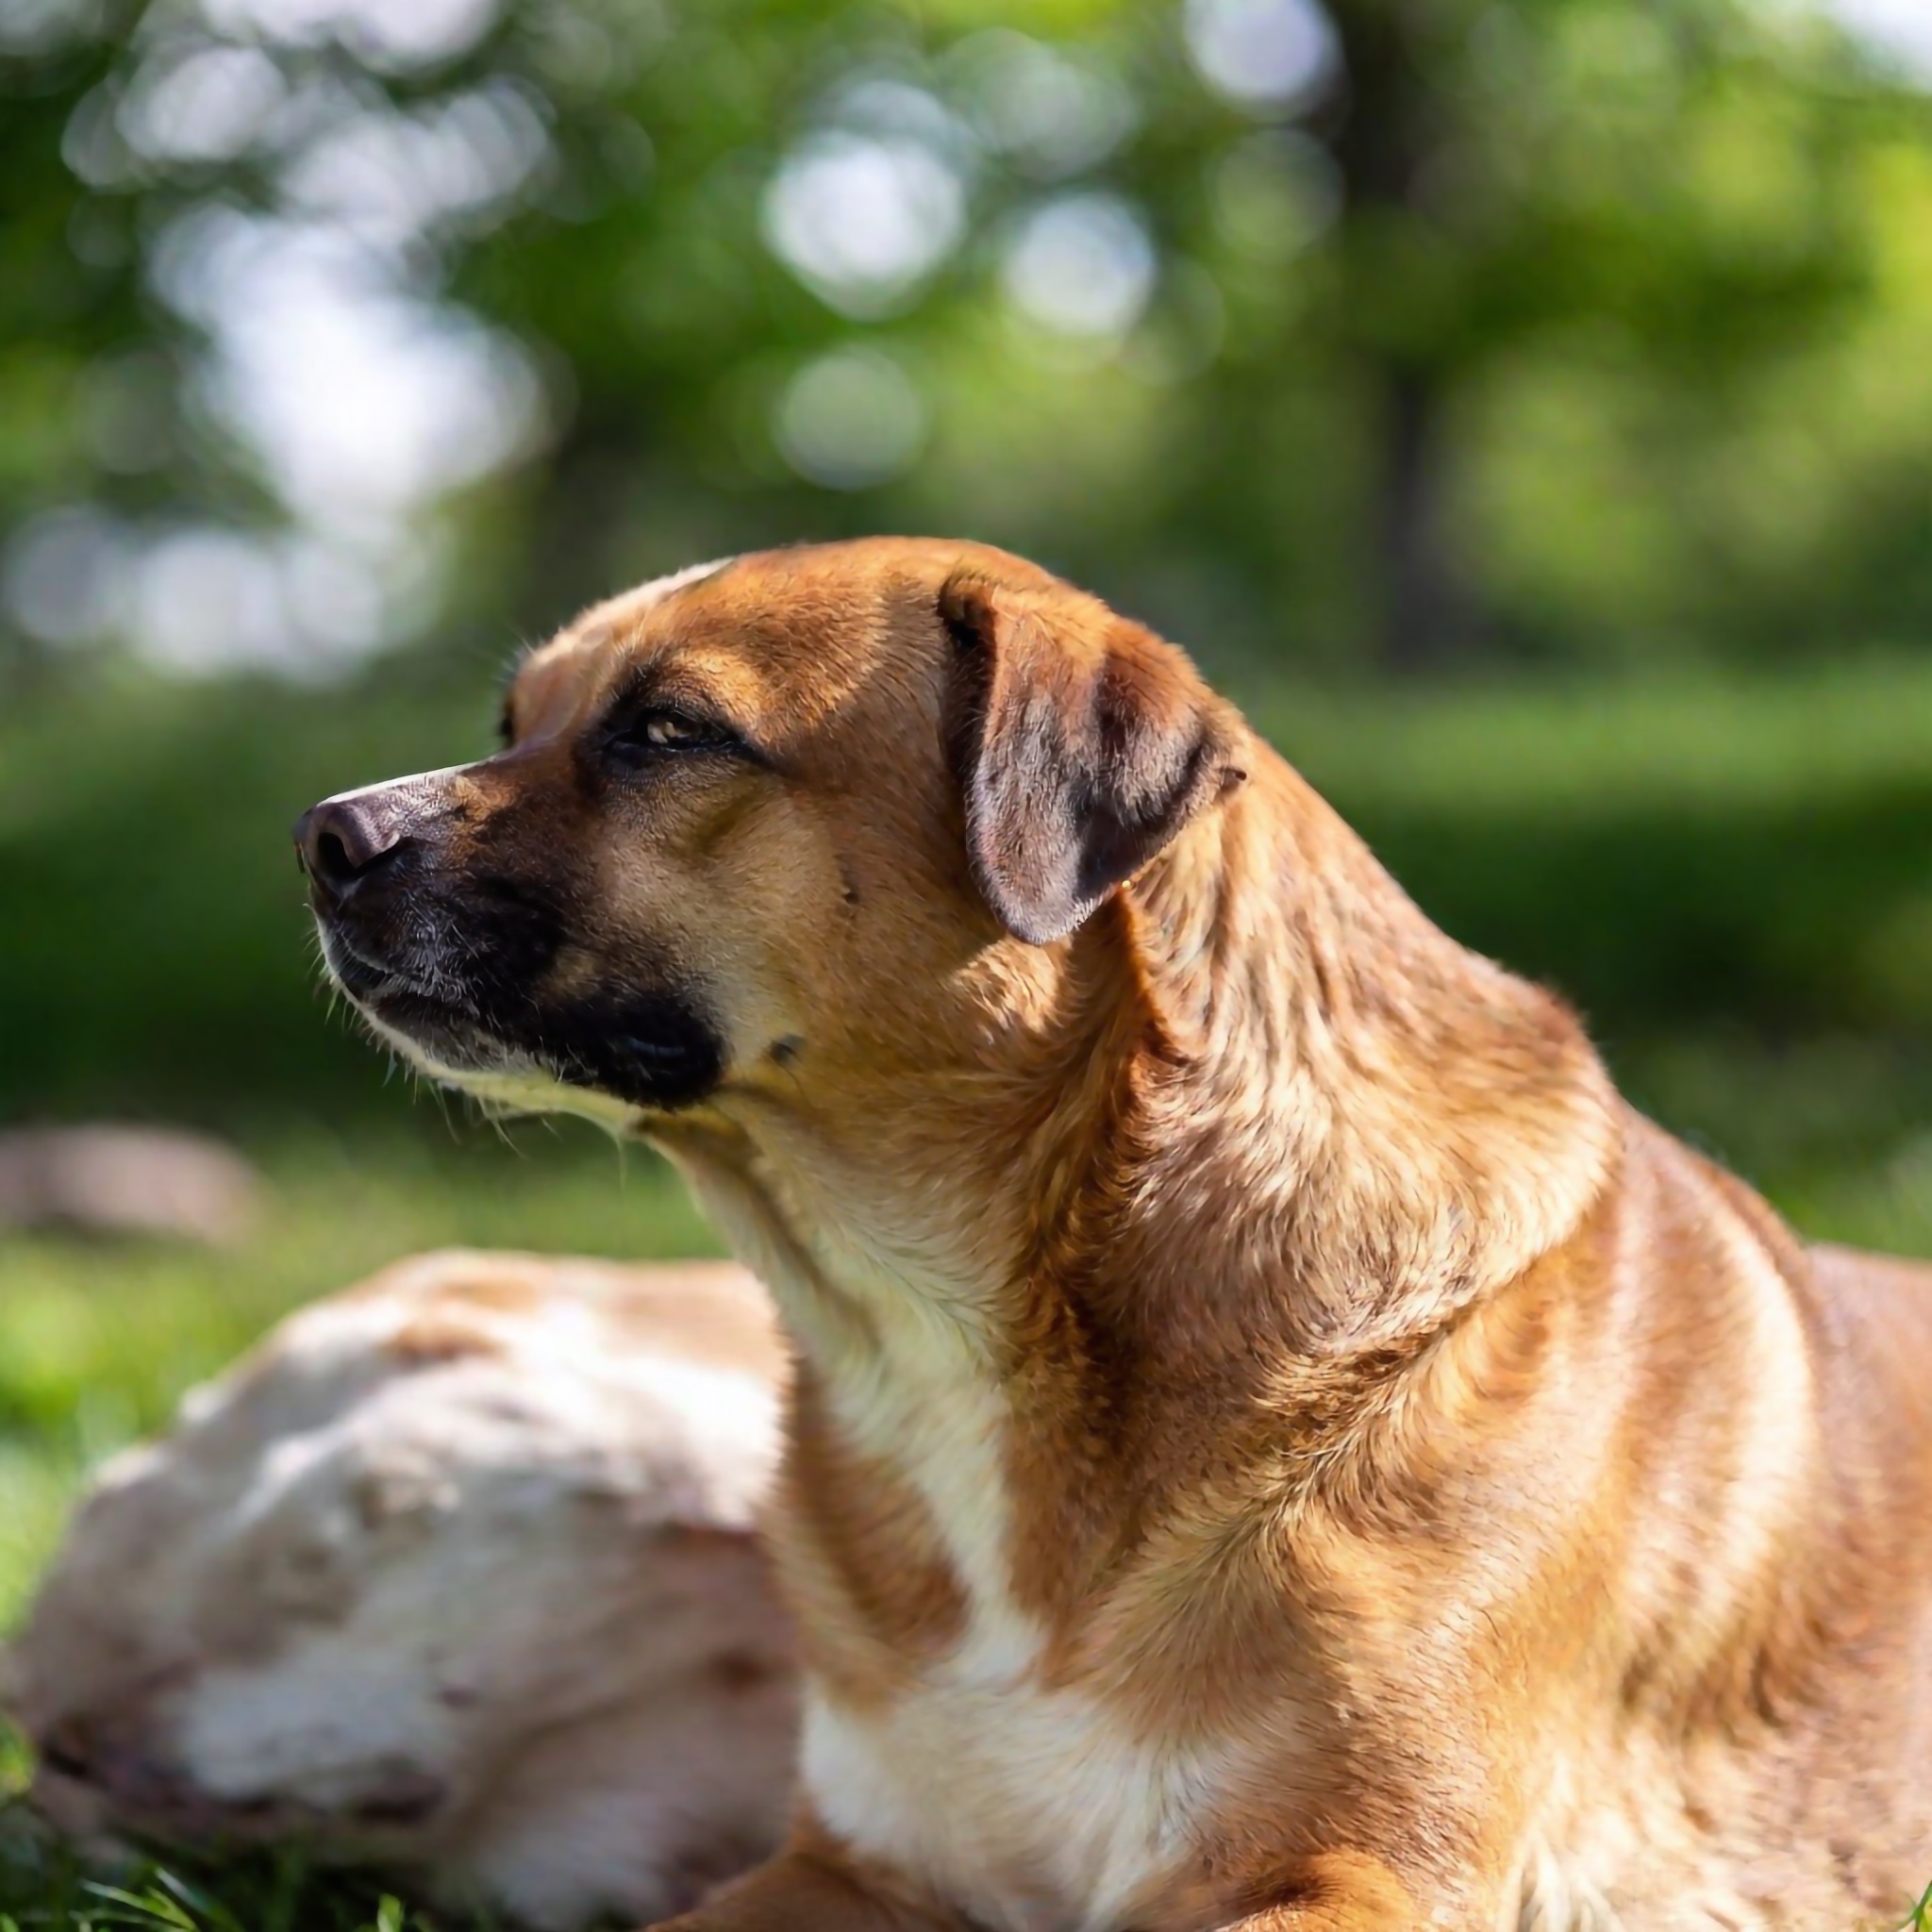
(1510, 172)
(1409, 330)
(1394, 129)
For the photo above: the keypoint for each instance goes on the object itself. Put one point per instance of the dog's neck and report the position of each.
(1394, 1123)
(1238, 1151)
(1260, 1062)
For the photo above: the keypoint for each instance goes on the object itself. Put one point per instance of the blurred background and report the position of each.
(1523, 407)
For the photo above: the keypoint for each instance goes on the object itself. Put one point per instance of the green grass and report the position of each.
(51, 1888)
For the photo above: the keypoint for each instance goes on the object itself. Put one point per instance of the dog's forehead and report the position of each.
(784, 630)
(625, 612)
(554, 677)
(770, 634)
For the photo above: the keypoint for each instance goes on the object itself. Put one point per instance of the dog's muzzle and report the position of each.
(436, 931)
(371, 863)
(342, 842)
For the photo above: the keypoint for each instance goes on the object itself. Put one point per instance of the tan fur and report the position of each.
(1281, 1443)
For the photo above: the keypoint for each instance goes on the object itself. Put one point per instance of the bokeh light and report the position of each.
(1082, 265)
(850, 418)
(1271, 53)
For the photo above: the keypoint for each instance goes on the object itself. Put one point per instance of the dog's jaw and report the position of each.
(617, 1062)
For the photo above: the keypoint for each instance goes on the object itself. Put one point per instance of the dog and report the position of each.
(456, 1573)
(1278, 1442)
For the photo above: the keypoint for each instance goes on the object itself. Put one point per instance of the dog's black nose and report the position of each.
(343, 840)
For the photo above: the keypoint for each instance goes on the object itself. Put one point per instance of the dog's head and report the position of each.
(756, 811)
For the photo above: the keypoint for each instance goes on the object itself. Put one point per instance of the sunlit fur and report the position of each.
(1279, 1441)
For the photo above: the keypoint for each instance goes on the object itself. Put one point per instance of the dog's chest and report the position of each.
(1033, 1810)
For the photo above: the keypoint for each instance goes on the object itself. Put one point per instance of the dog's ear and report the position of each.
(1082, 744)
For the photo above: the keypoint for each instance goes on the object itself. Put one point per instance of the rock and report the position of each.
(456, 1572)
(126, 1180)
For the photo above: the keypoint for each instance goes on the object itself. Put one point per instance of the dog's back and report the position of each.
(1760, 1597)
(1871, 1320)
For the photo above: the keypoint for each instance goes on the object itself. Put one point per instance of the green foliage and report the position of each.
(1578, 328)
(44, 1885)
(157, 928)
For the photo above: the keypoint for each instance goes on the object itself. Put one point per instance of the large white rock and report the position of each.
(456, 1570)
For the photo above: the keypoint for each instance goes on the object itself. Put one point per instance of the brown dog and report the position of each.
(1280, 1444)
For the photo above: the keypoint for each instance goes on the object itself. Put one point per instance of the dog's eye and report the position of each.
(659, 728)
(666, 729)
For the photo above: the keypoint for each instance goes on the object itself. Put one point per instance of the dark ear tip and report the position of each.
(965, 607)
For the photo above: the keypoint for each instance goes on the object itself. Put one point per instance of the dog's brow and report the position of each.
(658, 681)
(653, 680)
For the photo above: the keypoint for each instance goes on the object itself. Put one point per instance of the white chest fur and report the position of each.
(1030, 1808)
(1033, 1808)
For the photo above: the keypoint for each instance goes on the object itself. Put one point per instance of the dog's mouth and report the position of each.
(471, 1012)
(364, 977)
(409, 1003)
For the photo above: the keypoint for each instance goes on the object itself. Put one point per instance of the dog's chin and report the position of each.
(435, 1028)
(616, 1059)
(507, 1087)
